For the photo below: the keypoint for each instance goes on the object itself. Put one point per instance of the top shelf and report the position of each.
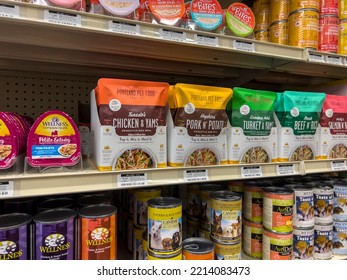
(97, 45)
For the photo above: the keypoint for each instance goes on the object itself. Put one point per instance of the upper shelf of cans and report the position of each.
(149, 133)
(194, 36)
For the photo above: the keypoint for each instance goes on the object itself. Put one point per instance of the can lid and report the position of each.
(53, 203)
(164, 202)
(92, 200)
(8, 221)
(147, 189)
(57, 215)
(304, 10)
(211, 188)
(279, 22)
(297, 187)
(219, 242)
(278, 190)
(97, 211)
(197, 245)
(226, 195)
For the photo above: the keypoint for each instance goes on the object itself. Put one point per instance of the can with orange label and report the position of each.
(98, 224)
(328, 33)
(198, 248)
(342, 47)
(329, 7)
(253, 204)
(278, 205)
(279, 32)
(277, 246)
(262, 35)
(279, 10)
(303, 28)
(303, 4)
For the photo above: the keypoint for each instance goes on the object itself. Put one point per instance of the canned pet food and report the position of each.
(204, 233)
(236, 186)
(262, 35)
(303, 212)
(252, 236)
(262, 19)
(303, 242)
(192, 228)
(161, 257)
(304, 4)
(342, 48)
(340, 201)
(164, 226)
(226, 213)
(323, 241)
(53, 203)
(342, 7)
(259, 5)
(93, 199)
(137, 242)
(144, 245)
(303, 28)
(205, 203)
(227, 251)
(193, 201)
(279, 10)
(98, 232)
(22, 205)
(15, 236)
(278, 209)
(253, 204)
(197, 248)
(340, 237)
(323, 199)
(141, 196)
(329, 7)
(279, 32)
(277, 246)
(55, 235)
(328, 34)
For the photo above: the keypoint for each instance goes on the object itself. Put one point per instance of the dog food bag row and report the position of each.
(297, 119)
(128, 120)
(333, 128)
(197, 124)
(14, 130)
(252, 137)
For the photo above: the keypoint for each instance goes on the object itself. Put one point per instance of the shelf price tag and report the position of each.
(285, 169)
(243, 46)
(123, 27)
(132, 180)
(206, 40)
(196, 175)
(314, 57)
(172, 35)
(69, 19)
(251, 171)
(338, 165)
(10, 11)
(336, 60)
(6, 189)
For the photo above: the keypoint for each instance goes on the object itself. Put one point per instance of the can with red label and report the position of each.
(328, 34)
(329, 7)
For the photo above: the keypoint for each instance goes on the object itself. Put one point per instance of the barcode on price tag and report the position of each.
(316, 57)
(197, 175)
(338, 165)
(251, 171)
(172, 35)
(122, 27)
(337, 60)
(206, 40)
(244, 46)
(285, 169)
(10, 11)
(6, 189)
(132, 180)
(62, 18)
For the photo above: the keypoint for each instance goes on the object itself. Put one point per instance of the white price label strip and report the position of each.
(172, 35)
(122, 27)
(132, 180)
(336, 60)
(197, 175)
(285, 169)
(62, 18)
(316, 57)
(10, 11)
(6, 189)
(251, 171)
(206, 40)
(243, 46)
(338, 165)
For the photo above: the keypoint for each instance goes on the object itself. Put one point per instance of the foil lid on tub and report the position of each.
(167, 12)
(207, 14)
(53, 140)
(120, 7)
(240, 19)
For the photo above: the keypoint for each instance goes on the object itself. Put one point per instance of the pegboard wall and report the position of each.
(35, 93)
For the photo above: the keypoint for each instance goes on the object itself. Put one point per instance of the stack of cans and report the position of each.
(261, 10)
(279, 21)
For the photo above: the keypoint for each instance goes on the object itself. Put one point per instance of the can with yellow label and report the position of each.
(304, 4)
(279, 32)
(262, 35)
(279, 10)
